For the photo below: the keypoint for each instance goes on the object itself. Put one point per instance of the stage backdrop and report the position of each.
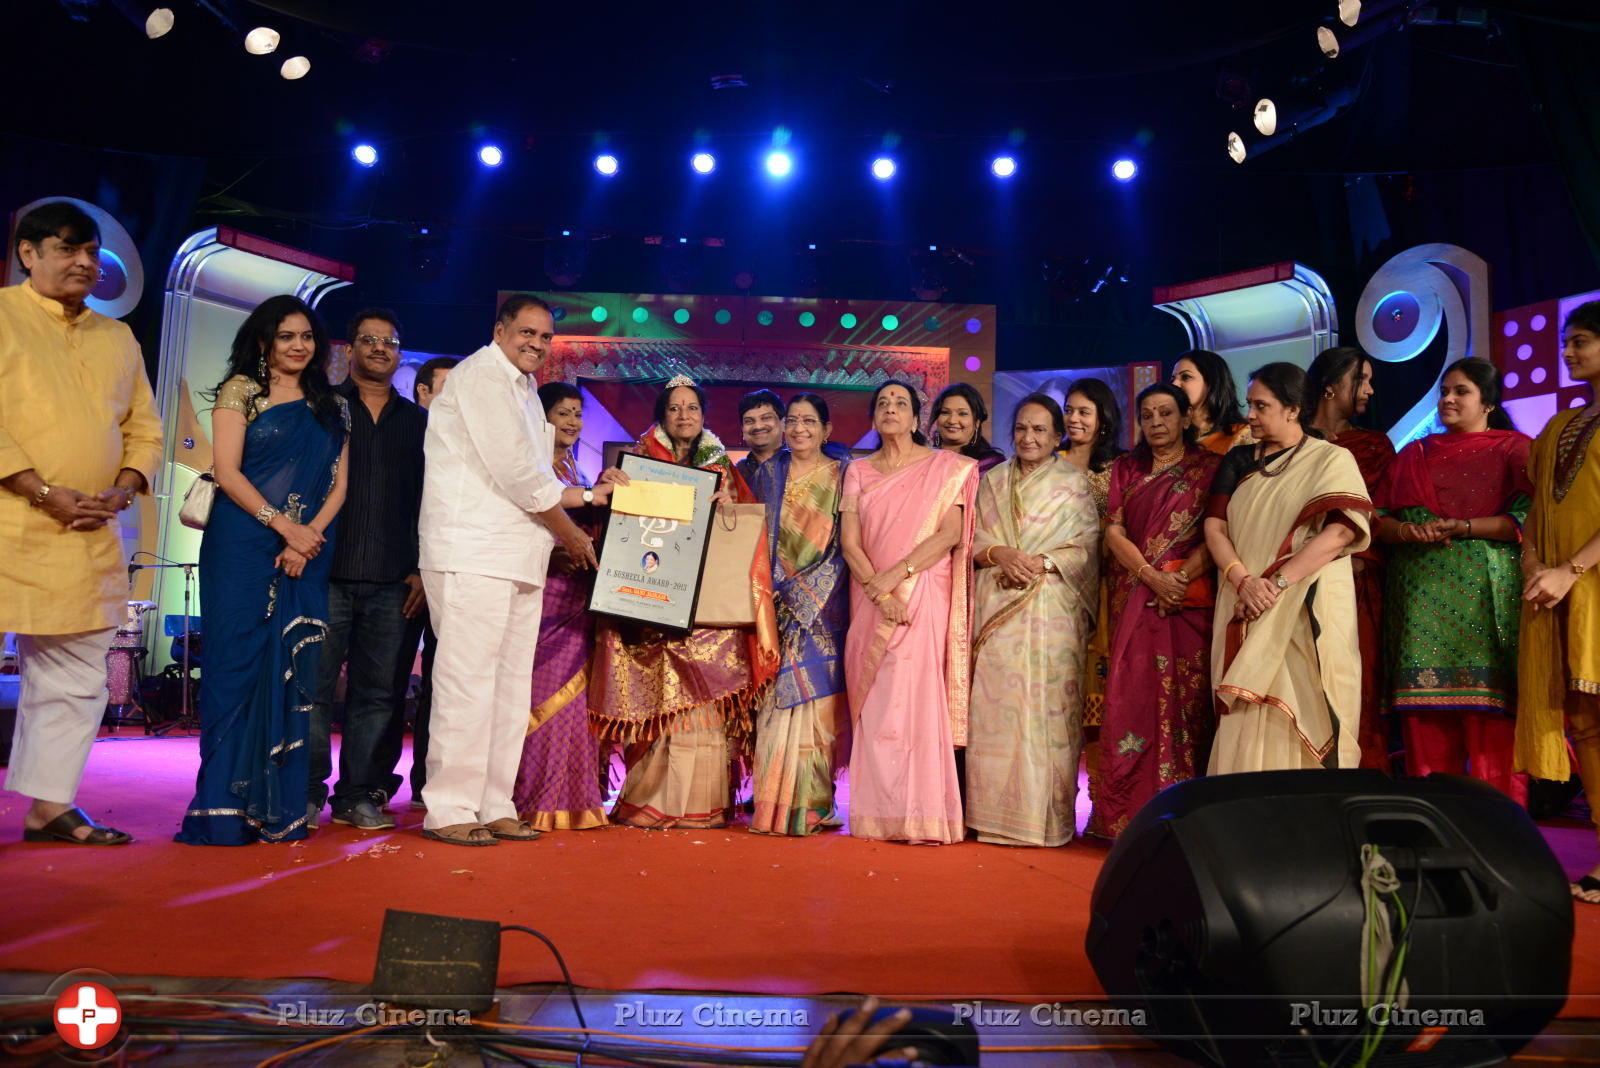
(620, 347)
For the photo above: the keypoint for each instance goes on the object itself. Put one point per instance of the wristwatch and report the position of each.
(1049, 564)
(1282, 582)
(588, 496)
(909, 569)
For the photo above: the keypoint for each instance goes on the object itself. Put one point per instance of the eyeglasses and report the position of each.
(802, 420)
(375, 340)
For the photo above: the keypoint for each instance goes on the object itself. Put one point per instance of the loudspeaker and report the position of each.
(1230, 912)
(437, 962)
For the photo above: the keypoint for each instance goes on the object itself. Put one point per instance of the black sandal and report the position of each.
(60, 830)
(1586, 885)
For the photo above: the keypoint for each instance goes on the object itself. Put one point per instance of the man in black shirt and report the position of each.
(430, 379)
(374, 587)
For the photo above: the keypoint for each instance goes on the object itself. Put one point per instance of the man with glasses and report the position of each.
(761, 423)
(375, 586)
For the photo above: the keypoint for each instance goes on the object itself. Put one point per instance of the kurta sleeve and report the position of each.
(12, 456)
(141, 427)
(497, 430)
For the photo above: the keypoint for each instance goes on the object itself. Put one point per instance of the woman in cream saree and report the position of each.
(1037, 548)
(1283, 518)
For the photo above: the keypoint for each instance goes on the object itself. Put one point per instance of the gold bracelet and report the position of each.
(1142, 566)
(1229, 570)
(38, 498)
(1577, 568)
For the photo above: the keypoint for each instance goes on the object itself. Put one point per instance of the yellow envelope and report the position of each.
(661, 500)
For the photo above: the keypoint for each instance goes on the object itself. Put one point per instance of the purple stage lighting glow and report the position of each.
(491, 156)
(365, 155)
(1124, 170)
(606, 165)
(703, 162)
(779, 164)
(1003, 166)
(883, 168)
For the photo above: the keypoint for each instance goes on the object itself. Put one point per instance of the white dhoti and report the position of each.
(482, 693)
(62, 701)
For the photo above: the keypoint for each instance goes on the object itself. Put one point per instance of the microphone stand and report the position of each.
(186, 720)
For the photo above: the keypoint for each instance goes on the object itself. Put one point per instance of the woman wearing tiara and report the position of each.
(683, 707)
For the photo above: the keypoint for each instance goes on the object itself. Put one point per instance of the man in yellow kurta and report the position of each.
(79, 438)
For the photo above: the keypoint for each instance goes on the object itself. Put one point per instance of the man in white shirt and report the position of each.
(491, 513)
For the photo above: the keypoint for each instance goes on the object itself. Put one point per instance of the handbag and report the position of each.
(196, 510)
(738, 533)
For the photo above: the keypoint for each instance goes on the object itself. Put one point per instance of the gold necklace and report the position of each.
(1161, 463)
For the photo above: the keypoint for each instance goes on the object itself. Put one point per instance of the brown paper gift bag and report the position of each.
(738, 533)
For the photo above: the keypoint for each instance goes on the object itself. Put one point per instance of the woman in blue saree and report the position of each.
(279, 441)
(802, 727)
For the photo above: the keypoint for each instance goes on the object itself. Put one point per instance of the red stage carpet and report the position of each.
(696, 910)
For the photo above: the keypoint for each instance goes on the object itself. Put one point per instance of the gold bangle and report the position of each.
(1142, 566)
(1229, 569)
(38, 498)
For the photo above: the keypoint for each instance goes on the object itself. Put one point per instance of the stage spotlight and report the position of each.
(365, 155)
(1124, 170)
(1003, 166)
(1265, 117)
(1236, 150)
(1328, 41)
(606, 165)
(883, 168)
(261, 41)
(1349, 11)
(779, 164)
(159, 24)
(703, 162)
(295, 67)
(491, 156)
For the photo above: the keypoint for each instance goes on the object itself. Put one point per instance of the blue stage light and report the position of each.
(1003, 166)
(779, 164)
(491, 156)
(365, 155)
(703, 162)
(606, 165)
(883, 168)
(1125, 170)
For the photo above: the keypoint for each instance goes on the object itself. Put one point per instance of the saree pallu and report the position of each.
(1160, 717)
(1288, 684)
(910, 685)
(683, 707)
(263, 635)
(803, 727)
(1374, 452)
(557, 788)
(1025, 733)
(1559, 653)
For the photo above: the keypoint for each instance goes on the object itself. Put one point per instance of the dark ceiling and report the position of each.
(1441, 125)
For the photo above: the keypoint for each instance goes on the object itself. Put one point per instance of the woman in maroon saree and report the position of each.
(1159, 717)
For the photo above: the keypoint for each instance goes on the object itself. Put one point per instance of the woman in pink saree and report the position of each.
(906, 534)
(1159, 715)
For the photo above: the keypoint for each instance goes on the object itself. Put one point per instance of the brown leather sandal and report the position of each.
(512, 829)
(461, 834)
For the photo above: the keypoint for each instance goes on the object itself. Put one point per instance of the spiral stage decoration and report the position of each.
(1406, 304)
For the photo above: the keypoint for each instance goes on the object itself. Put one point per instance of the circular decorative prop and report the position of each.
(1407, 303)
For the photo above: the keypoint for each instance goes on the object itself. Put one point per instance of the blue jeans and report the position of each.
(367, 628)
